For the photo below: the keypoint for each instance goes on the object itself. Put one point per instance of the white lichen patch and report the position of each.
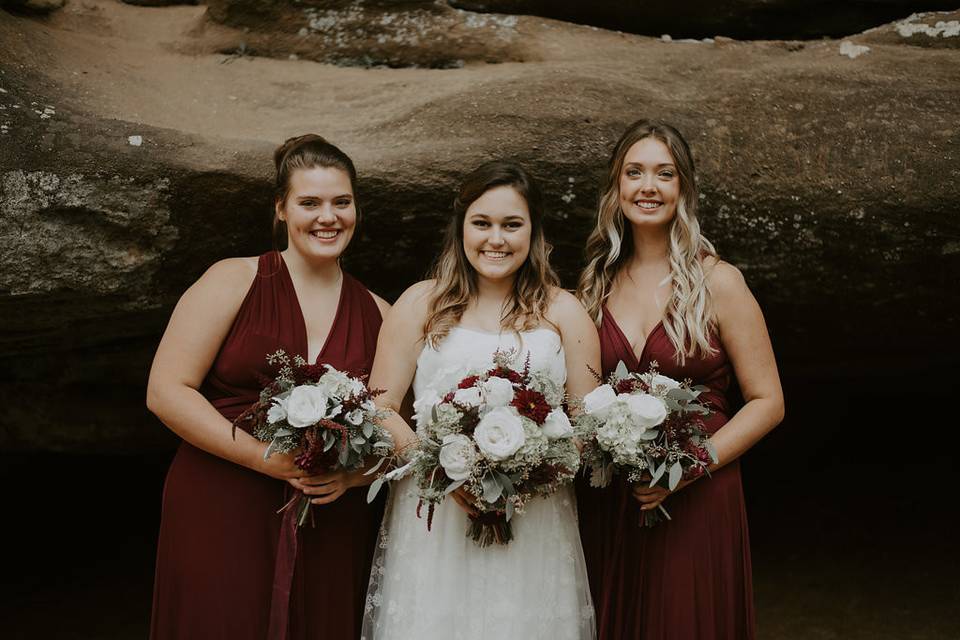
(483, 20)
(135, 141)
(912, 26)
(341, 28)
(853, 50)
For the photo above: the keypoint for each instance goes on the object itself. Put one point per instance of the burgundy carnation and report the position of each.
(531, 404)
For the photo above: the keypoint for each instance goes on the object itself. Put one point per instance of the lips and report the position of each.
(648, 205)
(325, 234)
(495, 255)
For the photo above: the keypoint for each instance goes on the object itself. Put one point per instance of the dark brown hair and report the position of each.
(456, 280)
(306, 152)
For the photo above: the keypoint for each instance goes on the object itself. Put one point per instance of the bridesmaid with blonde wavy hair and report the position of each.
(659, 293)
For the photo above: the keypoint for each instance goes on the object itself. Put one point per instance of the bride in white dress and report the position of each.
(493, 289)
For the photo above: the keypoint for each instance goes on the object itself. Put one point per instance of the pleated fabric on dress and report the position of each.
(684, 579)
(219, 531)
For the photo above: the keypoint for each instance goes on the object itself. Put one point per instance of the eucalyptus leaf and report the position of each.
(672, 404)
(270, 448)
(374, 468)
(327, 444)
(357, 440)
(621, 371)
(281, 432)
(453, 487)
(344, 456)
(650, 434)
(491, 488)
(676, 474)
(506, 483)
(712, 450)
(658, 473)
(374, 489)
(680, 394)
(509, 510)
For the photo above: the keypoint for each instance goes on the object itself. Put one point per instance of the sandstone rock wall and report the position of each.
(132, 156)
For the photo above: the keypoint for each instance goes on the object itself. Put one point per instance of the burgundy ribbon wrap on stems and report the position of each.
(283, 572)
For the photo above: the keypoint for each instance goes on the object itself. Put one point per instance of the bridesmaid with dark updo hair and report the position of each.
(228, 566)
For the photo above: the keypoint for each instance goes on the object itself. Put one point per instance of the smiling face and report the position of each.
(649, 183)
(320, 212)
(496, 233)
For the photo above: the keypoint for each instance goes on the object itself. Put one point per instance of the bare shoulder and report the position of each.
(382, 304)
(724, 280)
(226, 282)
(418, 294)
(566, 310)
(563, 303)
(232, 271)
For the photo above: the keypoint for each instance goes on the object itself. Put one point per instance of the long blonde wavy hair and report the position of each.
(456, 279)
(688, 319)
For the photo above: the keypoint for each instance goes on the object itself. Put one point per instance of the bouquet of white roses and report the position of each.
(325, 414)
(503, 435)
(648, 426)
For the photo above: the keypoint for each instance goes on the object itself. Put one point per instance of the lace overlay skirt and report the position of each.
(440, 584)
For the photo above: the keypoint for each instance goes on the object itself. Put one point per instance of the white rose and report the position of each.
(335, 382)
(423, 407)
(658, 380)
(557, 425)
(500, 434)
(457, 456)
(306, 405)
(647, 410)
(497, 391)
(469, 397)
(277, 411)
(598, 401)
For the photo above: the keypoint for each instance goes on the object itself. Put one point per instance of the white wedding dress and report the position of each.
(439, 584)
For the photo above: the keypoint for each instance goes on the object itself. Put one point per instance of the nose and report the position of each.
(325, 214)
(648, 184)
(496, 236)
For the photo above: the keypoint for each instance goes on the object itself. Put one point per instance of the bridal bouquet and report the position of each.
(503, 435)
(647, 426)
(325, 414)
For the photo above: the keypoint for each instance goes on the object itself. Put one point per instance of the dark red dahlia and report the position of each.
(309, 373)
(531, 404)
(627, 385)
(509, 374)
(468, 382)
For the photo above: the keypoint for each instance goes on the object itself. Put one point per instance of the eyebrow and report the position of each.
(510, 216)
(659, 166)
(315, 197)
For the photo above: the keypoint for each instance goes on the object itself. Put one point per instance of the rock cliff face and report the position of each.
(747, 19)
(133, 155)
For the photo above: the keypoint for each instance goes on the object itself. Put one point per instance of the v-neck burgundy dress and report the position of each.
(684, 579)
(219, 534)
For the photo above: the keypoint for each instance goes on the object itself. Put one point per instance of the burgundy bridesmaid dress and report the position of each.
(218, 565)
(684, 579)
